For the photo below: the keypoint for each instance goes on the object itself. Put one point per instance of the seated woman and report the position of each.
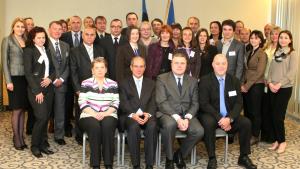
(99, 101)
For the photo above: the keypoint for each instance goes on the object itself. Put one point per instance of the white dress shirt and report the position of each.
(44, 58)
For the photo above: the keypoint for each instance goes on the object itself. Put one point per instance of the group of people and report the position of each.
(176, 79)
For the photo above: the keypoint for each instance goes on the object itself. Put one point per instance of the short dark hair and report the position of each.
(100, 18)
(62, 21)
(131, 13)
(129, 30)
(55, 22)
(230, 23)
(32, 33)
(260, 35)
(176, 26)
(157, 20)
(182, 54)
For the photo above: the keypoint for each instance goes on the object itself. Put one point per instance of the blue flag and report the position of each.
(171, 15)
(144, 12)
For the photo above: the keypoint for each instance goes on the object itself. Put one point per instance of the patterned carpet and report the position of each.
(70, 155)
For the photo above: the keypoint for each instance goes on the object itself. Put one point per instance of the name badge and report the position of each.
(170, 57)
(231, 53)
(232, 93)
(192, 54)
(40, 60)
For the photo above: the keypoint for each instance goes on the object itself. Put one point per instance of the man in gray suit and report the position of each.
(60, 58)
(232, 49)
(177, 101)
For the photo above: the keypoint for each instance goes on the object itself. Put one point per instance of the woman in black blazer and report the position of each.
(207, 51)
(39, 73)
(13, 69)
(128, 51)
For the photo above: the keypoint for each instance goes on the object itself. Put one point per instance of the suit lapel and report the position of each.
(231, 47)
(84, 52)
(134, 87)
(185, 84)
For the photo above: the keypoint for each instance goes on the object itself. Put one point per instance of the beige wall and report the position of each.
(254, 13)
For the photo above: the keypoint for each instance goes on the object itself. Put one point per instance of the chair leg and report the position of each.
(118, 149)
(156, 153)
(123, 149)
(83, 150)
(159, 150)
(226, 149)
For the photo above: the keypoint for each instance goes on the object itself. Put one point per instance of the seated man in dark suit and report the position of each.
(220, 106)
(137, 101)
(177, 101)
(81, 58)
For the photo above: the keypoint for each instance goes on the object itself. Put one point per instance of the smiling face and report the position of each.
(255, 41)
(145, 30)
(214, 29)
(187, 36)
(202, 37)
(39, 39)
(134, 36)
(99, 70)
(19, 28)
(138, 67)
(220, 64)
(227, 32)
(179, 64)
(55, 31)
(284, 40)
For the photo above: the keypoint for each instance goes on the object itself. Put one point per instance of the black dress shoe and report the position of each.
(60, 141)
(149, 167)
(25, 146)
(47, 151)
(169, 164)
(79, 140)
(246, 162)
(230, 138)
(68, 133)
(19, 148)
(136, 167)
(47, 144)
(108, 167)
(37, 153)
(179, 160)
(212, 164)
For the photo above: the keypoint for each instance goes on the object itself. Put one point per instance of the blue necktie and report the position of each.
(136, 52)
(223, 110)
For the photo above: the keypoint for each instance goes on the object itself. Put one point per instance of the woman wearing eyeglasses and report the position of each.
(281, 80)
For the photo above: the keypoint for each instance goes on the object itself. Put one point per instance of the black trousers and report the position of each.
(69, 104)
(41, 113)
(252, 106)
(101, 138)
(279, 102)
(30, 120)
(242, 125)
(266, 124)
(134, 137)
(78, 132)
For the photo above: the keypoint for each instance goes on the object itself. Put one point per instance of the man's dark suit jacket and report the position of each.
(209, 98)
(34, 71)
(80, 64)
(62, 70)
(130, 101)
(110, 52)
(170, 101)
(123, 58)
(99, 40)
(235, 58)
(67, 37)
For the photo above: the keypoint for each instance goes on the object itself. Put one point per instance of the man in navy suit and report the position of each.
(100, 24)
(221, 103)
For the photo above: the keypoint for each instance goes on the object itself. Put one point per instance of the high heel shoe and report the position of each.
(25, 146)
(281, 148)
(274, 146)
(19, 148)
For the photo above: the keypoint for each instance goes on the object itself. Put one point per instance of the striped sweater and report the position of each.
(99, 100)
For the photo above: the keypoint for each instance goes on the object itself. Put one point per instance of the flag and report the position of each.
(144, 11)
(171, 15)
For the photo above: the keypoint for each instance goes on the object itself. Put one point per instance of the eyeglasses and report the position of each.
(116, 27)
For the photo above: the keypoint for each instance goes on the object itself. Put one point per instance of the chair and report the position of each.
(178, 134)
(85, 136)
(124, 135)
(222, 133)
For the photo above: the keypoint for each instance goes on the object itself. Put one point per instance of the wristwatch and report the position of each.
(231, 120)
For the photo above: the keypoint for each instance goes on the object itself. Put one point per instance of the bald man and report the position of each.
(221, 103)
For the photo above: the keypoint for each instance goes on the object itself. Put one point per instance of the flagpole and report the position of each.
(167, 10)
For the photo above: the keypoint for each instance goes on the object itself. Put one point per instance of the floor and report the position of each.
(70, 155)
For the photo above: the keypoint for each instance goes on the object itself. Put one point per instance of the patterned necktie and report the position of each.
(223, 110)
(179, 85)
(101, 36)
(57, 53)
(76, 41)
(136, 52)
(116, 43)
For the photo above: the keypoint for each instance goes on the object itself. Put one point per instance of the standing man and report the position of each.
(60, 57)
(80, 64)
(177, 101)
(111, 44)
(156, 27)
(137, 102)
(194, 23)
(131, 20)
(232, 49)
(100, 24)
(245, 38)
(74, 39)
(221, 103)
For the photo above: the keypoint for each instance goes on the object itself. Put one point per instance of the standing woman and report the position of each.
(207, 51)
(215, 32)
(127, 51)
(176, 35)
(281, 79)
(39, 73)
(193, 54)
(253, 83)
(160, 54)
(270, 47)
(13, 68)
